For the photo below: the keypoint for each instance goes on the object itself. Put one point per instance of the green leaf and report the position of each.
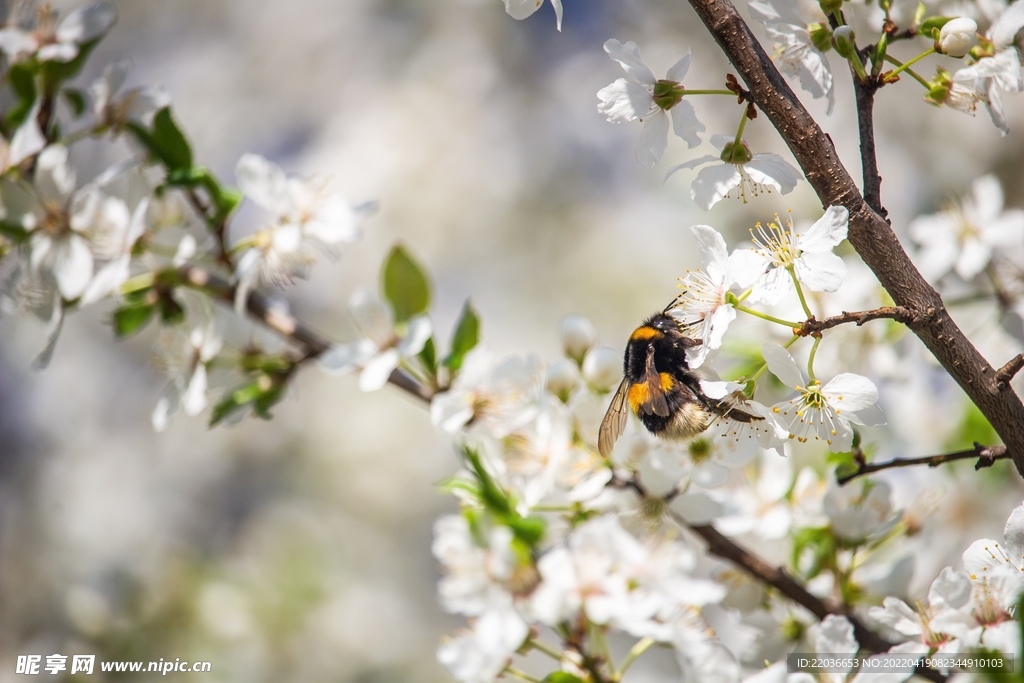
(933, 23)
(429, 356)
(405, 285)
(562, 677)
(530, 530)
(465, 337)
(131, 317)
(75, 100)
(22, 77)
(165, 141)
(54, 72)
(237, 399)
(816, 543)
(491, 494)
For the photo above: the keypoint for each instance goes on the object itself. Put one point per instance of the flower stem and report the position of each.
(744, 295)
(687, 91)
(800, 293)
(906, 65)
(521, 675)
(810, 358)
(738, 140)
(902, 66)
(638, 649)
(544, 647)
(765, 316)
(138, 282)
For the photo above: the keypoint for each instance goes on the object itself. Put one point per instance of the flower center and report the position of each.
(777, 242)
(56, 221)
(700, 450)
(667, 94)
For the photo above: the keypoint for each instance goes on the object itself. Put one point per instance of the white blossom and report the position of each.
(860, 510)
(964, 237)
(958, 36)
(305, 215)
(384, 345)
(114, 109)
(578, 335)
(1000, 70)
(824, 411)
(782, 251)
(481, 654)
(948, 604)
(185, 358)
(642, 97)
(736, 169)
(796, 47)
(60, 43)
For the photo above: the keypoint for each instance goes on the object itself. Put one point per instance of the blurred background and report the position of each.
(299, 549)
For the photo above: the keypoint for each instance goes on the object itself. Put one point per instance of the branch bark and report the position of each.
(814, 327)
(311, 342)
(986, 455)
(869, 233)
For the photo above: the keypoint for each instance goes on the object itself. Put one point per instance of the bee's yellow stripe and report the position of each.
(666, 381)
(644, 332)
(638, 395)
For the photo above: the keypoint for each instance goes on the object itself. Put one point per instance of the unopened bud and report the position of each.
(843, 38)
(602, 367)
(830, 6)
(562, 379)
(578, 336)
(957, 37)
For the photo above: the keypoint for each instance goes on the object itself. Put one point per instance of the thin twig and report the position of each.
(813, 327)
(219, 228)
(1007, 372)
(986, 455)
(311, 342)
(872, 187)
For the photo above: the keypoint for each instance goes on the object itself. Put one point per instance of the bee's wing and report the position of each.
(614, 422)
(655, 402)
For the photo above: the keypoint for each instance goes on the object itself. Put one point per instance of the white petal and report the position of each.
(1005, 28)
(782, 365)
(28, 139)
(521, 9)
(850, 392)
(988, 199)
(557, 5)
(1006, 230)
(718, 323)
(450, 411)
(872, 416)
(713, 252)
(194, 400)
(950, 589)
(678, 71)
(416, 336)
(984, 558)
(820, 271)
(342, 358)
(55, 181)
(186, 250)
(974, 256)
(58, 52)
(771, 169)
(713, 183)
(86, 24)
(827, 232)
(624, 100)
(72, 266)
(685, 123)
(1013, 536)
(263, 182)
(693, 163)
(746, 266)
(375, 373)
(697, 507)
(14, 42)
(107, 281)
(653, 139)
(628, 55)
(165, 407)
(836, 637)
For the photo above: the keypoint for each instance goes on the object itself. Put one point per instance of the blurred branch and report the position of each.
(219, 227)
(778, 578)
(986, 455)
(311, 342)
(814, 327)
(869, 233)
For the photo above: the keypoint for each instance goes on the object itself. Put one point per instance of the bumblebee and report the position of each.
(660, 387)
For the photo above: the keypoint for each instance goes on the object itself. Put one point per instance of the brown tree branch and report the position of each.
(311, 343)
(865, 93)
(869, 233)
(986, 455)
(814, 327)
(1007, 372)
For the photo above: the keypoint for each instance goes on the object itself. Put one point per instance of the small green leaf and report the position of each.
(429, 357)
(22, 77)
(75, 100)
(405, 285)
(491, 494)
(54, 72)
(165, 141)
(530, 530)
(237, 399)
(933, 23)
(562, 677)
(130, 318)
(465, 337)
